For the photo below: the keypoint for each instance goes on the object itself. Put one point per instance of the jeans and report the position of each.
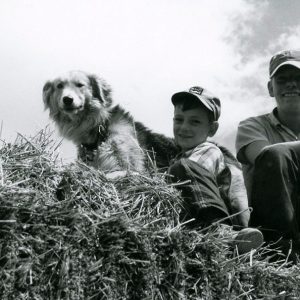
(275, 192)
(202, 199)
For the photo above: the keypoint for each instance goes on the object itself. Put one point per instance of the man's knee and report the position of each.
(273, 157)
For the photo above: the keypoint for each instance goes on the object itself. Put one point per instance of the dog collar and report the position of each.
(101, 137)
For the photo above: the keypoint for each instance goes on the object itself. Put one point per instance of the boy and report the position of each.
(269, 149)
(208, 195)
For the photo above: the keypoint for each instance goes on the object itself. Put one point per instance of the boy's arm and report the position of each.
(212, 159)
(238, 196)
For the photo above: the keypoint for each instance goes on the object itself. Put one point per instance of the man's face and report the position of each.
(285, 87)
(191, 127)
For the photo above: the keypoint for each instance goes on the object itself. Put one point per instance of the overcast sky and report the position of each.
(147, 51)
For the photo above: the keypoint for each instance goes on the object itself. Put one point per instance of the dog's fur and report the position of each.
(107, 137)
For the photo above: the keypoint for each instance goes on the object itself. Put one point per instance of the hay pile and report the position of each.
(66, 232)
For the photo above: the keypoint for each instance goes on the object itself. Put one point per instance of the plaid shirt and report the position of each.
(208, 156)
(228, 180)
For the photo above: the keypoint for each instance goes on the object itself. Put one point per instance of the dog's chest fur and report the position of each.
(120, 151)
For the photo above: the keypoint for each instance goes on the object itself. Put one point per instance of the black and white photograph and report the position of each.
(149, 150)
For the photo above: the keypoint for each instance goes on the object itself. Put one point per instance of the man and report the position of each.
(269, 149)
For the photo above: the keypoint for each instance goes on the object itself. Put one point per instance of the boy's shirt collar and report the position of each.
(188, 153)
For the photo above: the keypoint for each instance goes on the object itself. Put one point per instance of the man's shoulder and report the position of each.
(253, 129)
(264, 117)
(259, 120)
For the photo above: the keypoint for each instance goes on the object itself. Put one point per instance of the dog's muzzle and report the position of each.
(69, 105)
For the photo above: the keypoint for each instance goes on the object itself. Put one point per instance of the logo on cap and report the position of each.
(196, 90)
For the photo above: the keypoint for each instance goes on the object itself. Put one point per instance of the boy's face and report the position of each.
(191, 127)
(285, 87)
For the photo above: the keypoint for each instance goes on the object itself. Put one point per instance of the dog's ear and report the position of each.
(101, 90)
(47, 91)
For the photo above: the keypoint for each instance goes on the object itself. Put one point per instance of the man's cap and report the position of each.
(286, 57)
(210, 101)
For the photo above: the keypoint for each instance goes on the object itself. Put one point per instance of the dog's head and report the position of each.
(77, 100)
(74, 92)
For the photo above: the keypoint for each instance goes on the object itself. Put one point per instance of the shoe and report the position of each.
(248, 239)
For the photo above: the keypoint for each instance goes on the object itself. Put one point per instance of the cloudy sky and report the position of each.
(146, 50)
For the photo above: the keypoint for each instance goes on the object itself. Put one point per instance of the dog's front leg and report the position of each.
(120, 174)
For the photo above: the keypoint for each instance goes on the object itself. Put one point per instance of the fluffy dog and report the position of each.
(107, 137)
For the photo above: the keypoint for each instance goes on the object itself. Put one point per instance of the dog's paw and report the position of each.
(120, 174)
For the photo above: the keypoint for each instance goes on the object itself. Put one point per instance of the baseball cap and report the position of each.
(285, 57)
(210, 101)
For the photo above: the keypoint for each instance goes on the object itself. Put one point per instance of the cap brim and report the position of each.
(291, 63)
(181, 95)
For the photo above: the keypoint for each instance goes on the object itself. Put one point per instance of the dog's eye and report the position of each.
(79, 85)
(60, 85)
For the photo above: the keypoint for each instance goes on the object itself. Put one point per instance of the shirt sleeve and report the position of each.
(210, 157)
(249, 131)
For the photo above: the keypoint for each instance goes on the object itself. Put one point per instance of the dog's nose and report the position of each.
(67, 100)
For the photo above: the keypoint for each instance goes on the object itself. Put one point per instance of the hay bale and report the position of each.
(67, 232)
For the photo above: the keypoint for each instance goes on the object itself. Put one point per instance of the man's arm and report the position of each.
(251, 139)
(252, 150)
